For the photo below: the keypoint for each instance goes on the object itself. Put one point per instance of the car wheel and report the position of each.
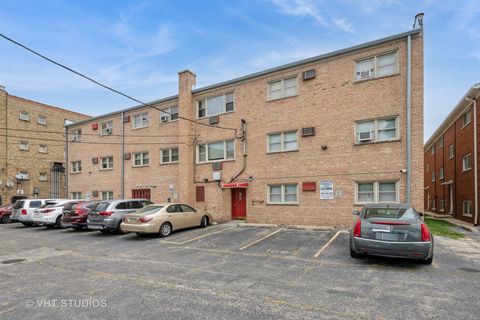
(204, 222)
(58, 223)
(6, 218)
(353, 254)
(165, 229)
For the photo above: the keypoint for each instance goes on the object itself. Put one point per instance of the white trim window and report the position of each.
(24, 146)
(169, 155)
(451, 151)
(42, 176)
(76, 166)
(466, 118)
(213, 106)
(107, 163)
(141, 159)
(433, 176)
(169, 114)
(106, 128)
(140, 121)
(441, 173)
(42, 148)
(382, 129)
(376, 192)
(466, 162)
(76, 135)
(24, 116)
(467, 208)
(76, 195)
(282, 142)
(42, 120)
(440, 142)
(283, 194)
(216, 151)
(282, 88)
(107, 195)
(441, 205)
(377, 66)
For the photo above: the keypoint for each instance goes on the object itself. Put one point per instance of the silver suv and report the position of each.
(107, 215)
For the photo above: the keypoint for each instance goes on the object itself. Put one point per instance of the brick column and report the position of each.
(186, 109)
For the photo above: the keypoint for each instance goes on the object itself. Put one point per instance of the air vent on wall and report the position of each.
(310, 131)
(309, 74)
(127, 156)
(217, 166)
(126, 119)
(94, 126)
(94, 160)
(213, 119)
(95, 193)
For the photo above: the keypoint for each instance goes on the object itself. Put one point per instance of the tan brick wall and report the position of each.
(331, 102)
(14, 160)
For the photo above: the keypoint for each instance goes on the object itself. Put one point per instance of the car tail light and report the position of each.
(425, 233)
(145, 219)
(357, 229)
(24, 211)
(106, 213)
(78, 211)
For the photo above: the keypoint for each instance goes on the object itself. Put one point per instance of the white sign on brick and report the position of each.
(326, 189)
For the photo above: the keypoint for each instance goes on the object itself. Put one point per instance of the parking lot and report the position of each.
(227, 271)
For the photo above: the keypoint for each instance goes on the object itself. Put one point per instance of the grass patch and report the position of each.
(442, 228)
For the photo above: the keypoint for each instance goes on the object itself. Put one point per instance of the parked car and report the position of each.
(106, 216)
(23, 209)
(163, 218)
(50, 215)
(75, 213)
(5, 213)
(391, 230)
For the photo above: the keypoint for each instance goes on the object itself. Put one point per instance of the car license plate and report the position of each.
(386, 236)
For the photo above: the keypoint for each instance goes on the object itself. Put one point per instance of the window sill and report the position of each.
(466, 170)
(105, 135)
(140, 166)
(282, 204)
(24, 149)
(26, 120)
(465, 125)
(214, 115)
(375, 78)
(376, 142)
(109, 169)
(137, 128)
(167, 163)
(42, 124)
(287, 151)
(169, 121)
(284, 98)
(214, 161)
(76, 172)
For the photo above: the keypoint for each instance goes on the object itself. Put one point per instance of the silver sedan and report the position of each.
(391, 230)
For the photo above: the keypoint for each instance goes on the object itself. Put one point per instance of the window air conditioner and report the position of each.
(309, 74)
(164, 118)
(365, 136)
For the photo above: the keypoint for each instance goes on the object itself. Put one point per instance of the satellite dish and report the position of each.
(10, 183)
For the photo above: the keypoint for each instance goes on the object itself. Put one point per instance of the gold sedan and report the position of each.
(163, 218)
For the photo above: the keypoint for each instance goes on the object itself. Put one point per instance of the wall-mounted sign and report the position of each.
(171, 187)
(326, 189)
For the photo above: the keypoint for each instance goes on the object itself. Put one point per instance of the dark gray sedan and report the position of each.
(391, 230)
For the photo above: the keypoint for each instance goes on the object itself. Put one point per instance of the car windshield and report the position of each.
(390, 213)
(148, 210)
(18, 204)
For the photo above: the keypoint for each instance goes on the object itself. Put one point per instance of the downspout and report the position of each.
(244, 139)
(408, 120)
(475, 162)
(122, 156)
(66, 163)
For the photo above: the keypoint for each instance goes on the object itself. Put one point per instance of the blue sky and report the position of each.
(139, 46)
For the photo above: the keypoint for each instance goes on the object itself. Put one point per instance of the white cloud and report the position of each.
(308, 8)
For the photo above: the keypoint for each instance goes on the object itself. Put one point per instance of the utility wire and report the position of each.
(107, 87)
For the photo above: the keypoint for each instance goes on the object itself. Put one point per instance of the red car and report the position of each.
(75, 213)
(5, 213)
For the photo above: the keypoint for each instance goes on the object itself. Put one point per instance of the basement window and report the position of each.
(376, 192)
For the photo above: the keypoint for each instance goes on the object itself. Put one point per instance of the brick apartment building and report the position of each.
(451, 167)
(313, 140)
(32, 147)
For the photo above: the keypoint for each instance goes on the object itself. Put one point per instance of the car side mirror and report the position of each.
(356, 212)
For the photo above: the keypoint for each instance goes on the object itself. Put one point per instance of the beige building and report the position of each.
(303, 143)
(32, 147)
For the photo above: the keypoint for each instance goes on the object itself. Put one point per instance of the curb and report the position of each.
(299, 227)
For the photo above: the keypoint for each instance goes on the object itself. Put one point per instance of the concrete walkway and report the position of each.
(459, 223)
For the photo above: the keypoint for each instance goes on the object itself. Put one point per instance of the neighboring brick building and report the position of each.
(323, 136)
(450, 162)
(32, 147)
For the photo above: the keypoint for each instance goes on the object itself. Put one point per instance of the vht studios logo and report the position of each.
(66, 303)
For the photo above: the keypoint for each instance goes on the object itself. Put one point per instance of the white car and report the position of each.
(50, 215)
(23, 209)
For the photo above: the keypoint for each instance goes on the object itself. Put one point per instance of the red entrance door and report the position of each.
(239, 203)
(141, 194)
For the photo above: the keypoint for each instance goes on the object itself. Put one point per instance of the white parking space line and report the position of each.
(325, 246)
(261, 239)
(124, 236)
(197, 238)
